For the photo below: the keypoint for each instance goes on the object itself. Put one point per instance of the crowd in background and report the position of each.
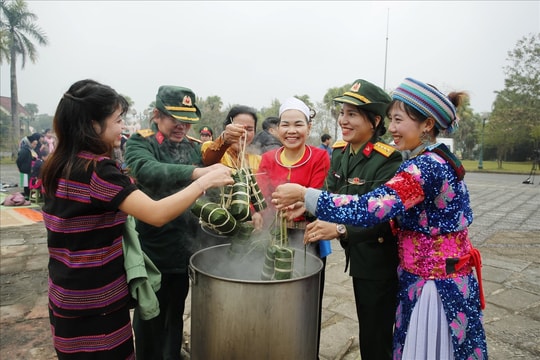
(34, 149)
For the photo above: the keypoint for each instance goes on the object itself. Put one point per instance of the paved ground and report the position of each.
(506, 230)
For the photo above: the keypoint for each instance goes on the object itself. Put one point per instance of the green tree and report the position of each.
(305, 98)
(515, 117)
(272, 110)
(18, 22)
(331, 107)
(211, 114)
(466, 135)
(32, 110)
(4, 47)
(43, 122)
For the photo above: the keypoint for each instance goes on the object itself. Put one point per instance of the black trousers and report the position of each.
(160, 338)
(376, 302)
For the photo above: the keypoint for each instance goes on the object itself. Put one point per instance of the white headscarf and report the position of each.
(293, 103)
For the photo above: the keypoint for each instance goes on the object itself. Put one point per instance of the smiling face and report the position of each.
(406, 131)
(112, 132)
(293, 129)
(172, 129)
(355, 125)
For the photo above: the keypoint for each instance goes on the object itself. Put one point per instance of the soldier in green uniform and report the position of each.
(163, 160)
(360, 163)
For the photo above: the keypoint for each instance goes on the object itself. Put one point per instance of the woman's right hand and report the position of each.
(288, 194)
(219, 175)
(233, 133)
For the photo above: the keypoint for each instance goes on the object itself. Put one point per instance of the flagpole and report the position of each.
(386, 50)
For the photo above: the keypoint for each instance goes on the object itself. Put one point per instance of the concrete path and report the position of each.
(506, 229)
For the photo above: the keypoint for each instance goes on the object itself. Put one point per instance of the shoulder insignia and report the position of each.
(383, 149)
(339, 144)
(145, 132)
(190, 138)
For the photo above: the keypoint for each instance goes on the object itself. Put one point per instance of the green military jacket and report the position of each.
(160, 169)
(372, 252)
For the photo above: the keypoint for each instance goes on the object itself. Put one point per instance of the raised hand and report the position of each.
(288, 194)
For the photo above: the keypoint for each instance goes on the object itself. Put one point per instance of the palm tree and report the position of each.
(17, 27)
(4, 47)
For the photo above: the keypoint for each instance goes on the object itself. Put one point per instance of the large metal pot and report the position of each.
(236, 316)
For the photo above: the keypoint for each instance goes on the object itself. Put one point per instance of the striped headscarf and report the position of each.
(429, 101)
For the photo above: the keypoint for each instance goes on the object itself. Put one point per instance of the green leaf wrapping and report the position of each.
(241, 241)
(215, 217)
(284, 263)
(255, 195)
(239, 207)
(268, 266)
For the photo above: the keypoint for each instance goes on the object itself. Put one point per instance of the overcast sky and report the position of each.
(251, 52)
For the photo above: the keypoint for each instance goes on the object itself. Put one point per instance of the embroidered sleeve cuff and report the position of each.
(407, 188)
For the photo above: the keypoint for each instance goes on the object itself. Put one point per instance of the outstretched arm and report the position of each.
(160, 212)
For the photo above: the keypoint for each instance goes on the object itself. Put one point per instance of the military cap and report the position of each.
(178, 102)
(366, 96)
(206, 130)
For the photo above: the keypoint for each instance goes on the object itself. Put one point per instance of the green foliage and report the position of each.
(43, 122)
(305, 99)
(273, 110)
(211, 114)
(17, 29)
(467, 134)
(4, 45)
(333, 108)
(523, 167)
(515, 117)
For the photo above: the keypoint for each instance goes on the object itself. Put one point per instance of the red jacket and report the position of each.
(310, 171)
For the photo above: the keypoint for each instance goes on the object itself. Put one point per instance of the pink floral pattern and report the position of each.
(446, 195)
(342, 200)
(459, 326)
(380, 206)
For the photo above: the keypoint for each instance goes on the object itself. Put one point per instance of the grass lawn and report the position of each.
(491, 166)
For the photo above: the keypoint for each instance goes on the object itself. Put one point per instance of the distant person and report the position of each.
(87, 201)
(34, 182)
(25, 159)
(41, 145)
(206, 134)
(440, 301)
(325, 144)
(268, 138)
(50, 139)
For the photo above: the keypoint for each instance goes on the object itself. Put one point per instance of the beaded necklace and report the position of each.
(280, 160)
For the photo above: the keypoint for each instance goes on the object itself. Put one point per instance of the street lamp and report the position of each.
(481, 156)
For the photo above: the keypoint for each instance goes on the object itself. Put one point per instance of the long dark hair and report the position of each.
(84, 102)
